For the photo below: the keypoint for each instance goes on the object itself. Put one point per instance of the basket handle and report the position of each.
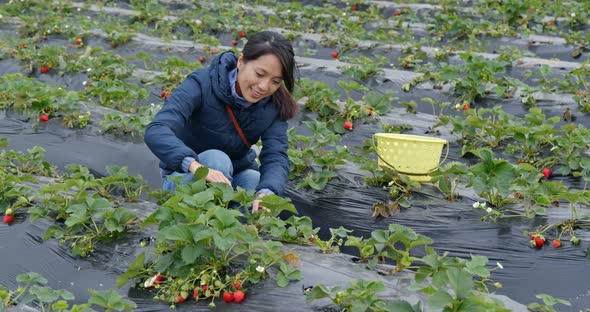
(407, 173)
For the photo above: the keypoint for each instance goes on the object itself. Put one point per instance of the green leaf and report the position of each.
(200, 199)
(164, 262)
(60, 305)
(227, 217)
(440, 299)
(110, 300)
(190, 253)
(282, 280)
(401, 306)
(31, 278)
(44, 294)
(461, 282)
(317, 292)
(179, 232)
(550, 300)
(53, 231)
(277, 204)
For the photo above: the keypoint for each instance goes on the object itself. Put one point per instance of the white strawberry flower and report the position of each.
(489, 210)
(260, 269)
(84, 82)
(476, 204)
(499, 265)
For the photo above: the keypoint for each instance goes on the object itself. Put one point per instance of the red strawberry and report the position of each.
(201, 59)
(204, 287)
(335, 54)
(23, 45)
(353, 8)
(532, 235)
(79, 41)
(578, 92)
(466, 107)
(8, 219)
(158, 279)
(348, 125)
(239, 296)
(180, 297)
(196, 293)
(395, 13)
(44, 69)
(44, 118)
(539, 242)
(546, 172)
(237, 284)
(228, 296)
(549, 24)
(165, 94)
(242, 34)
(234, 43)
(556, 243)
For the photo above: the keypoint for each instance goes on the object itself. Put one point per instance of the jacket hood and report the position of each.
(219, 72)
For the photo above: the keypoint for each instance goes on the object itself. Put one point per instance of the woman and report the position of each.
(215, 115)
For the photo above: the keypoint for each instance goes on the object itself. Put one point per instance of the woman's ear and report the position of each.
(240, 60)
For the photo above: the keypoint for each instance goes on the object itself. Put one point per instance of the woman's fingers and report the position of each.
(217, 176)
(255, 205)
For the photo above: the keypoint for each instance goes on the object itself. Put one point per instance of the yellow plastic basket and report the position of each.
(412, 155)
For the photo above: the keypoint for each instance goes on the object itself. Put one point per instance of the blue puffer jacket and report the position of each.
(194, 119)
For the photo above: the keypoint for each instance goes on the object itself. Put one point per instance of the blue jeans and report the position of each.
(218, 160)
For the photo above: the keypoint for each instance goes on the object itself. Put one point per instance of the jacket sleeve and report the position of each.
(274, 160)
(161, 135)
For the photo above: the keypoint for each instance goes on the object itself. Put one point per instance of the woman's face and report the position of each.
(259, 78)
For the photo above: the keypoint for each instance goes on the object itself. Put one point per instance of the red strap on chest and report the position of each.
(233, 119)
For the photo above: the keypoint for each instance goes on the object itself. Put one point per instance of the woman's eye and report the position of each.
(276, 82)
(258, 75)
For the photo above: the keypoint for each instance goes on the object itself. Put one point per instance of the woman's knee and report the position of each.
(218, 160)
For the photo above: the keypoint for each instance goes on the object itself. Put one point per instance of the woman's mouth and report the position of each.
(255, 94)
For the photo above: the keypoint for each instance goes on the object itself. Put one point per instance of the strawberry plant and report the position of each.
(361, 295)
(121, 124)
(333, 244)
(200, 240)
(90, 220)
(491, 178)
(320, 98)
(31, 291)
(388, 242)
(448, 177)
(470, 79)
(548, 303)
(458, 282)
(363, 67)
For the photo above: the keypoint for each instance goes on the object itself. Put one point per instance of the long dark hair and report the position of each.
(270, 42)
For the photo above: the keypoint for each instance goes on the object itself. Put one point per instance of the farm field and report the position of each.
(501, 226)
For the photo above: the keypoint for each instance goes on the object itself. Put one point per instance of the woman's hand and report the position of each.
(256, 204)
(212, 176)
(217, 176)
